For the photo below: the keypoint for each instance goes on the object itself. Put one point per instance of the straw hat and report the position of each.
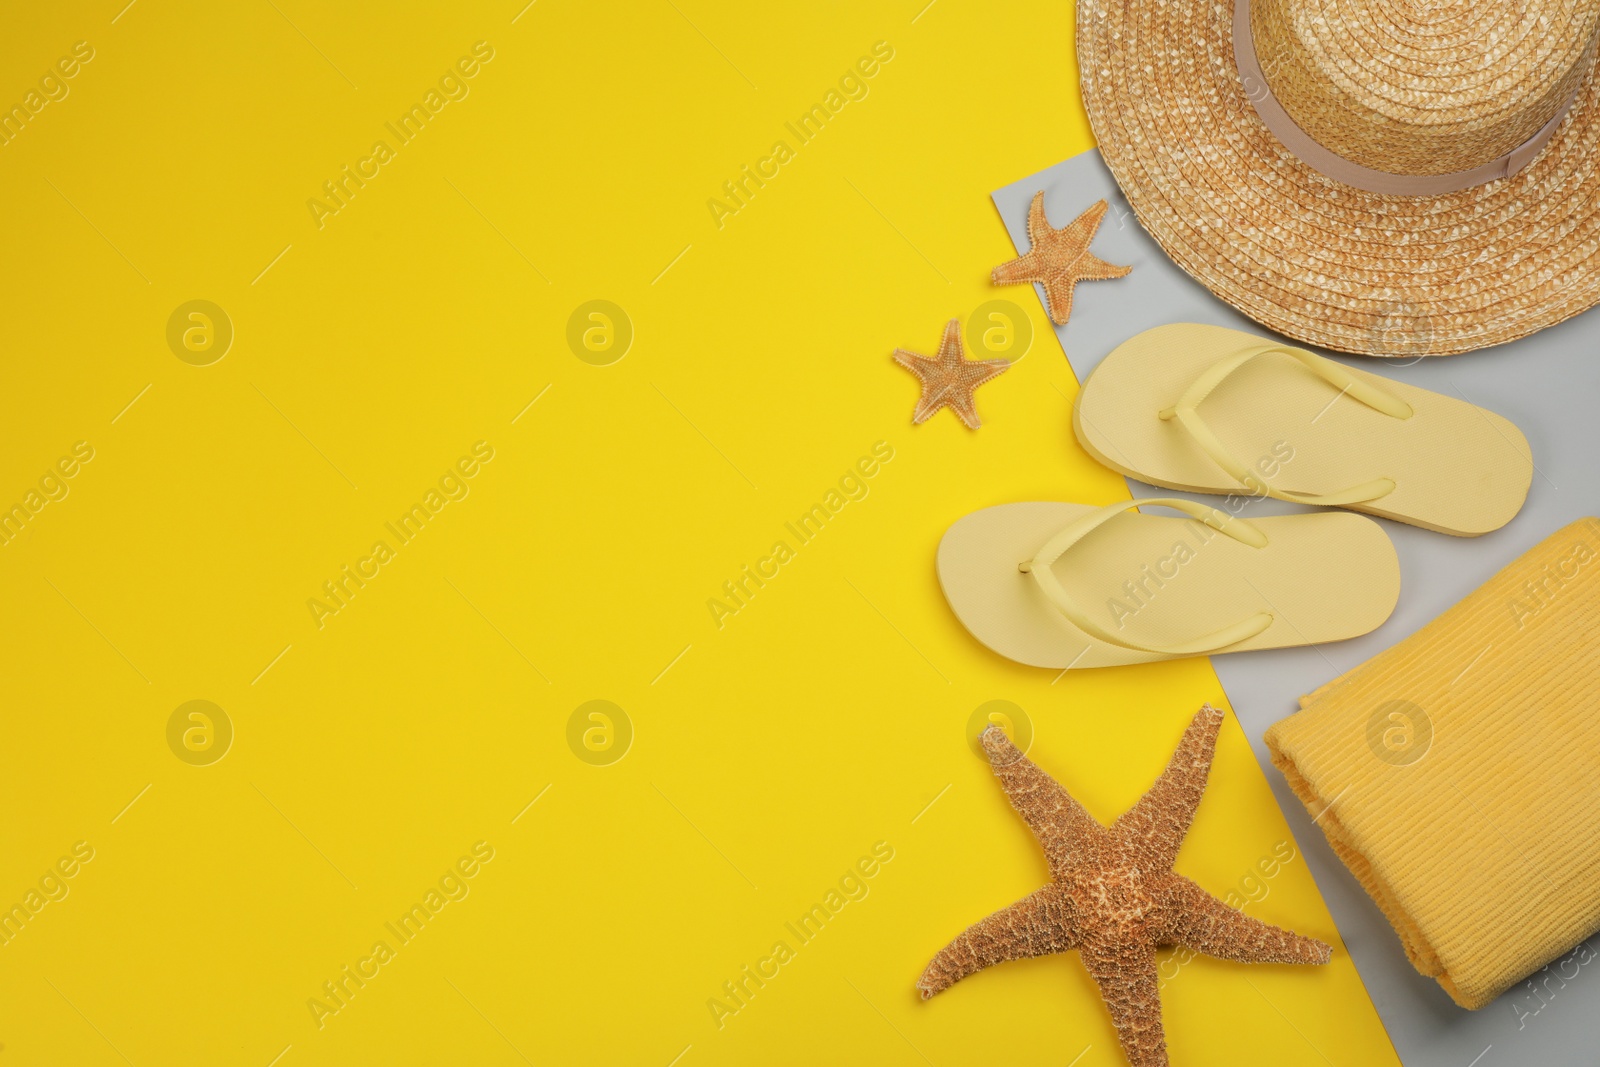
(1385, 177)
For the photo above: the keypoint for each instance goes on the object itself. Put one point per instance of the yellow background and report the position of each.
(373, 352)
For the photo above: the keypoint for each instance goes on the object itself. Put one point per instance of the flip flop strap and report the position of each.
(1053, 549)
(1186, 411)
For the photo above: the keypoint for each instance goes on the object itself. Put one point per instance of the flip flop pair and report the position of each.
(1210, 410)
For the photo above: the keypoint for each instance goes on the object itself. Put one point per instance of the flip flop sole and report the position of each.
(1325, 576)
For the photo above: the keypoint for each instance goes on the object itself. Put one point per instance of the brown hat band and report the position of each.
(1305, 147)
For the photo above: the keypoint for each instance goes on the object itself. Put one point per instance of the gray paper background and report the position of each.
(1546, 384)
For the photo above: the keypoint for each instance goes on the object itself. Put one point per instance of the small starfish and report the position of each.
(949, 380)
(1113, 894)
(1059, 259)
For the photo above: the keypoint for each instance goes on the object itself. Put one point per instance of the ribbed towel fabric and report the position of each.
(1457, 774)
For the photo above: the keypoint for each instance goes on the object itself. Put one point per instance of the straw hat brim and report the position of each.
(1310, 257)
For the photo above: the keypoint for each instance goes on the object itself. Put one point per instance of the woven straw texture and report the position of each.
(1321, 261)
(1454, 773)
(1418, 86)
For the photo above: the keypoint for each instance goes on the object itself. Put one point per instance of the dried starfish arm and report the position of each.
(1038, 224)
(1126, 975)
(1158, 822)
(1039, 924)
(1025, 268)
(1204, 923)
(1094, 269)
(1059, 822)
(1059, 298)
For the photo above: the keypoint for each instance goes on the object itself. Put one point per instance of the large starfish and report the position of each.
(949, 379)
(1113, 894)
(1059, 259)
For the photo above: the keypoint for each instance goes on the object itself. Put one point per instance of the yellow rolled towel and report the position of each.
(1457, 774)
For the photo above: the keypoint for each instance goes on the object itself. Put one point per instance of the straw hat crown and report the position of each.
(1423, 87)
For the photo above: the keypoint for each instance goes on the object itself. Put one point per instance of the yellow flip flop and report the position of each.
(1071, 585)
(1212, 410)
